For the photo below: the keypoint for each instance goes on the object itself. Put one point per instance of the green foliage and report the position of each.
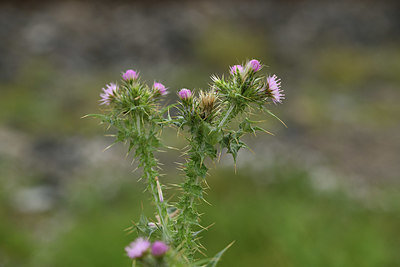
(290, 223)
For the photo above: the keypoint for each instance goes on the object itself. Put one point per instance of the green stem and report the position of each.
(138, 124)
(189, 216)
(149, 164)
(151, 174)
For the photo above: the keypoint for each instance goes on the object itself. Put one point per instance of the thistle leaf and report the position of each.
(214, 260)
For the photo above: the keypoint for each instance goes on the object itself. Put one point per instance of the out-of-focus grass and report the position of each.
(287, 223)
(15, 242)
(276, 220)
(95, 239)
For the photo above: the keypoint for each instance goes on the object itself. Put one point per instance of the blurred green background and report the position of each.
(323, 192)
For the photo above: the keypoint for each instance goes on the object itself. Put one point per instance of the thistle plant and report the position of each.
(133, 109)
(204, 118)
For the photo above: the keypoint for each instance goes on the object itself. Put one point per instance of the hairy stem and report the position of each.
(149, 163)
(138, 124)
(192, 191)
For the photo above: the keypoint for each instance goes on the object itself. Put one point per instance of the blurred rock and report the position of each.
(79, 35)
(33, 200)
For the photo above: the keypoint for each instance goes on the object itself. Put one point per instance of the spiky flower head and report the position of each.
(254, 65)
(130, 75)
(159, 248)
(273, 88)
(207, 103)
(160, 88)
(138, 248)
(236, 68)
(108, 94)
(185, 94)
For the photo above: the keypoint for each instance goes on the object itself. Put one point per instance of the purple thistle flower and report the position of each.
(236, 68)
(185, 94)
(159, 248)
(254, 64)
(137, 248)
(160, 88)
(130, 75)
(108, 94)
(274, 89)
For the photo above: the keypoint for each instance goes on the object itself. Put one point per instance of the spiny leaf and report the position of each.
(214, 261)
(101, 116)
(276, 117)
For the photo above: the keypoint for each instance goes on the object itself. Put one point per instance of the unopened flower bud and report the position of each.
(185, 94)
(159, 248)
(151, 225)
(254, 65)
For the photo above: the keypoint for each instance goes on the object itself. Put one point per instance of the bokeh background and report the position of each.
(323, 192)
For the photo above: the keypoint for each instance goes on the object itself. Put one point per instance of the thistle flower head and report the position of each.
(130, 75)
(137, 248)
(254, 65)
(185, 94)
(108, 93)
(159, 248)
(274, 89)
(160, 88)
(236, 68)
(207, 103)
